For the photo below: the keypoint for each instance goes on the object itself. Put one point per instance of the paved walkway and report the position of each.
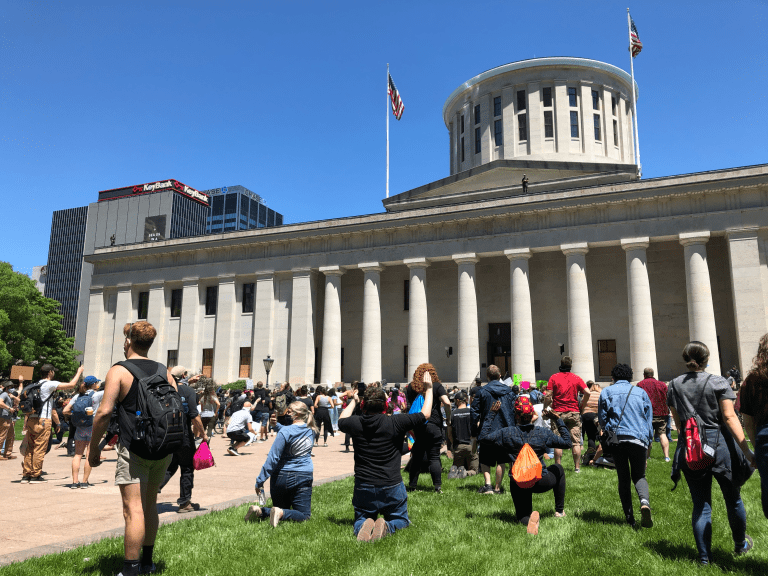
(39, 519)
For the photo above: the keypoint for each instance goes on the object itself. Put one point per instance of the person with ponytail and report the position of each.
(754, 409)
(90, 386)
(711, 398)
(289, 468)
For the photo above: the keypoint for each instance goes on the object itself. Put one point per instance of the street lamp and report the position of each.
(268, 361)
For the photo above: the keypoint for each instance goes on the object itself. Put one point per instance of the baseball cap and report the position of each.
(91, 380)
(523, 405)
(178, 371)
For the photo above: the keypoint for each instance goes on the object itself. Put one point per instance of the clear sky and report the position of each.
(288, 98)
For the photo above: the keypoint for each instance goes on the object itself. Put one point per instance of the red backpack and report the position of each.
(698, 454)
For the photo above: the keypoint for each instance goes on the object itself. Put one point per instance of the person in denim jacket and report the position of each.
(635, 433)
(289, 465)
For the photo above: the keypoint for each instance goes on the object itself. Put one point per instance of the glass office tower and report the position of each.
(237, 208)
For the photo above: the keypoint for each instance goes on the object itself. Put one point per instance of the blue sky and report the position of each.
(288, 98)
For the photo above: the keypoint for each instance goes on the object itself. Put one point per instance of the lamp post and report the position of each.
(268, 361)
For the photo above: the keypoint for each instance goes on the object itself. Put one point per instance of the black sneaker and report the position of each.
(37, 480)
(438, 489)
(487, 489)
(748, 544)
(499, 491)
(645, 516)
(24, 480)
(147, 569)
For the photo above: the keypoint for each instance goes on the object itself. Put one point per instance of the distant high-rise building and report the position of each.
(237, 208)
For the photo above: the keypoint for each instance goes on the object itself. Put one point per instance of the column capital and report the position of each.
(469, 258)
(267, 275)
(226, 278)
(635, 243)
(371, 267)
(156, 285)
(518, 253)
(301, 271)
(190, 281)
(96, 289)
(742, 233)
(124, 287)
(688, 238)
(332, 270)
(578, 248)
(416, 262)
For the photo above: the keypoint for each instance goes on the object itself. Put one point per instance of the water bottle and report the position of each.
(138, 431)
(262, 498)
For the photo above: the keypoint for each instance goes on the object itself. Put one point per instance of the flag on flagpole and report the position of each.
(635, 46)
(394, 96)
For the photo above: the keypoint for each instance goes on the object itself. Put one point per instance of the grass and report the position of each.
(458, 532)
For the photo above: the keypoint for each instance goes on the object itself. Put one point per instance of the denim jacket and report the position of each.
(637, 422)
(480, 409)
(291, 452)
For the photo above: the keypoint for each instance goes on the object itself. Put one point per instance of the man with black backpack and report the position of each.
(151, 419)
(37, 404)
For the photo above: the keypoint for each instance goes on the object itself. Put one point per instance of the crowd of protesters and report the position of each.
(497, 429)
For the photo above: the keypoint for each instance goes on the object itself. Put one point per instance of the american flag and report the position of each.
(397, 102)
(635, 46)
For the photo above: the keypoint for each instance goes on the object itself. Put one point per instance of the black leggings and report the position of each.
(590, 429)
(553, 480)
(630, 467)
(323, 416)
(428, 441)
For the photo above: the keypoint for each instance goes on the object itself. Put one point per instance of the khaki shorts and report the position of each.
(132, 469)
(573, 423)
(660, 426)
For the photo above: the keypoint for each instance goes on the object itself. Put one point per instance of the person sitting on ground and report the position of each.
(240, 423)
(90, 387)
(626, 411)
(465, 459)
(289, 469)
(511, 440)
(379, 498)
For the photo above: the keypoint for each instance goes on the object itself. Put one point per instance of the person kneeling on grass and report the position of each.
(512, 439)
(289, 467)
(379, 498)
(240, 423)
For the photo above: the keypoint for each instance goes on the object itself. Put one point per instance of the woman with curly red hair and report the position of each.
(428, 438)
(754, 409)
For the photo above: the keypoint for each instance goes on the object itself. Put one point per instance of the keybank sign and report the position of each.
(154, 187)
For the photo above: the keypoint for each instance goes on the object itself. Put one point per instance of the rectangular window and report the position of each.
(574, 124)
(498, 134)
(462, 148)
(173, 358)
(520, 100)
(477, 140)
(613, 105)
(406, 295)
(547, 97)
(207, 362)
(211, 300)
(522, 127)
(615, 133)
(477, 114)
(549, 129)
(143, 305)
(572, 101)
(248, 298)
(176, 303)
(595, 100)
(497, 106)
(462, 123)
(245, 363)
(596, 122)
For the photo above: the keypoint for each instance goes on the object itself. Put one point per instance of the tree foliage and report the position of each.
(30, 327)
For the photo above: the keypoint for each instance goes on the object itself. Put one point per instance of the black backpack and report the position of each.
(159, 428)
(233, 407)
(31, 401)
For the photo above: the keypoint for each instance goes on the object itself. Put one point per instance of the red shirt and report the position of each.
(657, 392)
(565, 388)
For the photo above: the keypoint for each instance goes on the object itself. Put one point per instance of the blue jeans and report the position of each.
(391, 502)
(701, 494)
(292, 491)
(761, 456)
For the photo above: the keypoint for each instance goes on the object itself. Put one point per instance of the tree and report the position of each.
(30, 327)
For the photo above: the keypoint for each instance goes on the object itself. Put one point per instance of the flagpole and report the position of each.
(634, 98)
(388, 129)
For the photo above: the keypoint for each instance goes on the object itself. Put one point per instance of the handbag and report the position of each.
(609, 439)
(203, 458)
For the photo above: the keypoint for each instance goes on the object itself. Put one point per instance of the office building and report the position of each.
(237, 208)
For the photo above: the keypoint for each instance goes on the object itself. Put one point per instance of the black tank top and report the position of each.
(126, 409)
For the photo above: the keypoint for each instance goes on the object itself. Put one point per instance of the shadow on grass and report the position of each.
(341, 521)
(722, 559)
(598, 516)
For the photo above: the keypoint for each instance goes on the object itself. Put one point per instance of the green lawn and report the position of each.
(459, 532)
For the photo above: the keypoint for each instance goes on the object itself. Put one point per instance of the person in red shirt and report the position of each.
(563, 395)
(657, 392)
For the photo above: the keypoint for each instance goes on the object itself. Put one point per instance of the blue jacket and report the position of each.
(291, 452)
(637, 422)
(513, 438)
(480, 409)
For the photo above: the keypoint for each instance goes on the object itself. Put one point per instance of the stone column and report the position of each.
(95, 344)
(301, 369)
(468, 344)
(418, 331)
(371, 357)
(226, 352)
(521, 322)
(701, 310)
(579, 322)
(190, 353)
(330, 370)
(263, 326)
(642, 343)
(157, 315)
(746, 284)
(123, 313)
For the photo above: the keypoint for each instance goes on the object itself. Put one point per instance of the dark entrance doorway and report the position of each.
(500, 346)
(606, 356)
